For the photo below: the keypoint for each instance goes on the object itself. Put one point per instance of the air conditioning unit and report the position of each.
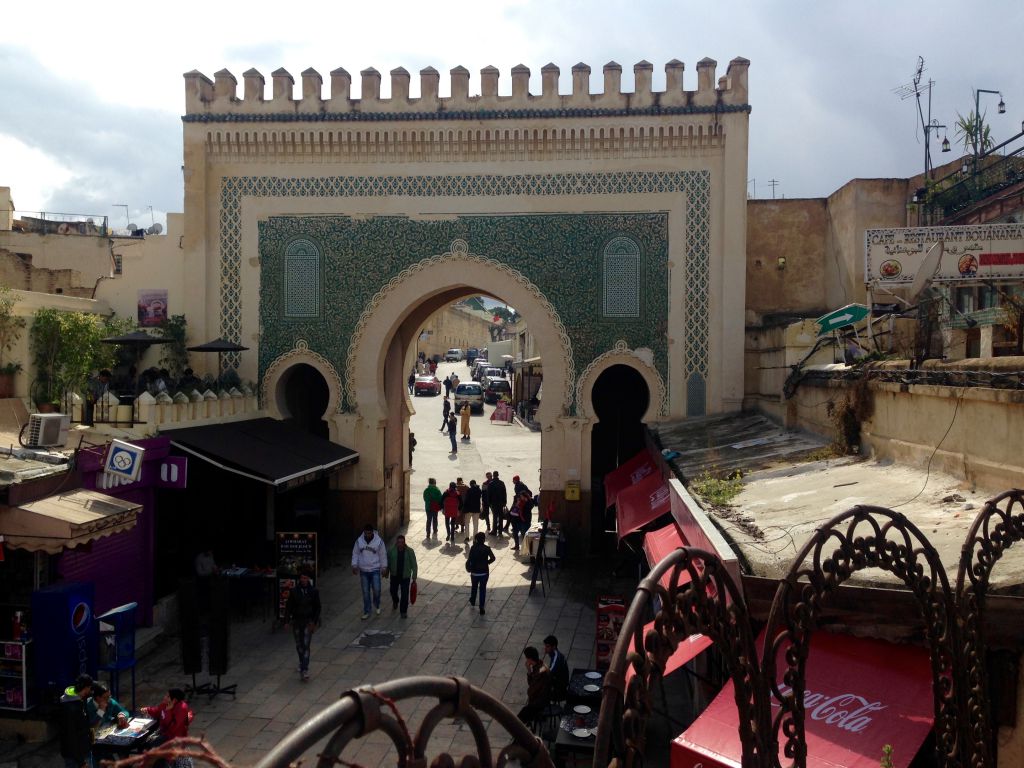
(48, 430)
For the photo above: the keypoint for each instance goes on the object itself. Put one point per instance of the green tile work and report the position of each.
(561, 254)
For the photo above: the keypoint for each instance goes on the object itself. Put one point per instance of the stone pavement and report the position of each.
(443, 635)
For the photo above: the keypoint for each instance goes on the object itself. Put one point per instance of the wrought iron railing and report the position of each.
(863, 537)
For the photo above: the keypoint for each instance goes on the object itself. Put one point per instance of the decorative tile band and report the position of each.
(695, 185)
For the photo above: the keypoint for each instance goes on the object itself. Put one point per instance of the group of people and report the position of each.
(464, 505)
(87, 706)
(547, 678)
(455, 420)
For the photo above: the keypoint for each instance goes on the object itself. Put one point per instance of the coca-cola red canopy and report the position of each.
(642, 503)
(860, 695)
(625, 475)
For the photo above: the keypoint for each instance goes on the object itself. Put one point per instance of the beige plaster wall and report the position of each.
(968, 432)
(453, 327)
(794, 230)
(855, 207)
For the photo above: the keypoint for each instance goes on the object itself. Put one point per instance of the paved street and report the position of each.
(443, 634)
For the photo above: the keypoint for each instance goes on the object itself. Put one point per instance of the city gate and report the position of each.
(323, 231)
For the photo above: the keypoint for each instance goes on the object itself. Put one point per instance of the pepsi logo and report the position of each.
(80, 616)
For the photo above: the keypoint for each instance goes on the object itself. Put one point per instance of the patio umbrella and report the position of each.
(137, 340)
(220, 346)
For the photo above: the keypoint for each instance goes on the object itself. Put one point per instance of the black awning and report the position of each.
(270, 451)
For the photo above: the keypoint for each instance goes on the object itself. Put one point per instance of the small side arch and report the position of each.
(272, 389)
(638, 360)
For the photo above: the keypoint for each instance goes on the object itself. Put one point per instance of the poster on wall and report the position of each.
(152, 306)
(296, 551)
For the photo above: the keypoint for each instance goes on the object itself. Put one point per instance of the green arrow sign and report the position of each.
(851, 314)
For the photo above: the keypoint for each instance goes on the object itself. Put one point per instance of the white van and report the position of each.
(453, 355)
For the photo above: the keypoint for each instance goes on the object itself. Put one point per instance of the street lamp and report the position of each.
(933, 125)
(977, 117)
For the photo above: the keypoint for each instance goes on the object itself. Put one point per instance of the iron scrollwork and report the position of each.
(700, 597)
(365, 710)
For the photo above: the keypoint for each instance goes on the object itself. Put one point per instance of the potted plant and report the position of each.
(11, 326)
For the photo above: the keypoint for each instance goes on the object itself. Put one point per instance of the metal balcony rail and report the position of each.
(50, 223)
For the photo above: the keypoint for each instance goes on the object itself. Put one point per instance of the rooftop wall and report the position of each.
(218, 100)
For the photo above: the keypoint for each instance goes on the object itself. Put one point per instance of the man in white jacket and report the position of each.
(369, 559)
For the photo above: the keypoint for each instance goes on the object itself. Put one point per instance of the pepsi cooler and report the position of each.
(64, 632)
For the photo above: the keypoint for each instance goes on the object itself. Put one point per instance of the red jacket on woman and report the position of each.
(173, 718)
(451, 503)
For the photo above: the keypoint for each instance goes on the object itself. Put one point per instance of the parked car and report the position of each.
(472, 394)
(453, 355)
(478, 368)
(426, 385)
(496, 389)
(490, 372)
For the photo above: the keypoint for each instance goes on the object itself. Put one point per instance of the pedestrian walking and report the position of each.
(478, 564)
(412, 446)
(446, 409)
(452, 426)
(498, 496)
(471, 510)
(522, 518)
(455, 381)
(302, 611)
(369, 558)
(432, 505)
(461, 487)
(401, 572)
(485, 502)
(412, 382)
(447, 386)
(464, 426)
(452, 505)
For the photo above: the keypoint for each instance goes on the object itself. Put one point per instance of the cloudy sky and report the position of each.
(92, 94)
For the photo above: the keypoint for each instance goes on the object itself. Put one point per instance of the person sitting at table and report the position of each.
(104, 709)
(559, 667)
(538, 686)
(173, 715)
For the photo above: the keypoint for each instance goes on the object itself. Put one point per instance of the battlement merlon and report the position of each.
(212, 100)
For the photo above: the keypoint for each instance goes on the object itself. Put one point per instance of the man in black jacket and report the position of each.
(75, 733)
(498, 497)
(302, 611)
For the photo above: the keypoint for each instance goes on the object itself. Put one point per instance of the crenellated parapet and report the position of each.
(218, 100)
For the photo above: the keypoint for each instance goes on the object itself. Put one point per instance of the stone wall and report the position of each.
(973, 433)
(454, 327)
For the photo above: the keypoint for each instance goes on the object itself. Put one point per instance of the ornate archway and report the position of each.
(432, 278)
(271, 388)
(639, 360)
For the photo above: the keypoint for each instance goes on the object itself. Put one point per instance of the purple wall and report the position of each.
(121, 566)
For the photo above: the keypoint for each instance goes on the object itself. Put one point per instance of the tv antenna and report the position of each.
(914, 89)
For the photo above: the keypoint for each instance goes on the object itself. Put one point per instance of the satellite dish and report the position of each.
(133, 227)
(156, 229)
(928, 268)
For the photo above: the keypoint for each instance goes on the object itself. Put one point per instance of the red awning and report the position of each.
(642, 503)
(657, 546)
(687, 650)
(625, 475)
(860, 695)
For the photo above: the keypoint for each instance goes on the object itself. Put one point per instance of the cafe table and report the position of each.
(576, 734)
(118, 742)
(585, 687)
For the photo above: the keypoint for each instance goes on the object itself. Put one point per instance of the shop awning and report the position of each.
(273, 452)
(642, 503)
(860, 695)
(625, 475)
(65, 521)
(657, 546)
(686, 651)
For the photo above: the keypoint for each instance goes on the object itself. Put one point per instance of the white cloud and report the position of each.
(32, 175)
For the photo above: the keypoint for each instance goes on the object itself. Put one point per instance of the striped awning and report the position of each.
(65, 521)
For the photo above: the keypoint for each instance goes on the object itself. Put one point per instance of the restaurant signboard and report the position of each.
(969, 253)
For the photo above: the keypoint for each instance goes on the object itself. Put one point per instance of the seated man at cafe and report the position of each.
(104, 709)
(538, 686)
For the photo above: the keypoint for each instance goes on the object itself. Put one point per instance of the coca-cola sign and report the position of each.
(847, 711)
